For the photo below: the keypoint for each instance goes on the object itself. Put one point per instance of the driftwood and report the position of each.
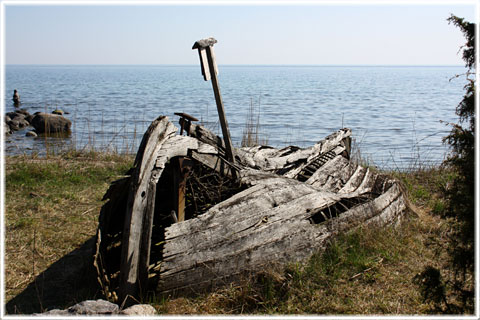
(284, 205)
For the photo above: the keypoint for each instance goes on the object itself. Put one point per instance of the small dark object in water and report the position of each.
(16, 98)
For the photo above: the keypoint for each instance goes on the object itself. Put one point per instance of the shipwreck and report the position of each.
(194, 213)
(186, 219)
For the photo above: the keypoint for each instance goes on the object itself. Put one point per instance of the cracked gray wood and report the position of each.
(295, 201)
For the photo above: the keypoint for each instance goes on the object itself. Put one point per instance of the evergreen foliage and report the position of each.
(460, 198)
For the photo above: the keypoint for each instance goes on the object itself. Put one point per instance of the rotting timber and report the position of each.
(284, 205)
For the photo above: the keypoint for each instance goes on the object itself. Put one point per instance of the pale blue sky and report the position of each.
(250, 34)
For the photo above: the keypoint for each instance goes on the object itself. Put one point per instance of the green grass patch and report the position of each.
(51, 208)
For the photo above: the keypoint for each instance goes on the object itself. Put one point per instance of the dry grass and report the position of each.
(364, 273)
(251, 135)
(367, 272)
(51, 209)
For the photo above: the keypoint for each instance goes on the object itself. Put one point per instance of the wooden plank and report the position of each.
(207, 149)
(206, 136)
(329, 174)
(213, 162)
(139, 205)
(290, 161)
(177, 146)
(146, 235)
(204, 64)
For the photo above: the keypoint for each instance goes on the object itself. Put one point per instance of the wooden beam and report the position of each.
(139, 212)
(220, 108)
(202, 53)
(181, 171)
(206, 46)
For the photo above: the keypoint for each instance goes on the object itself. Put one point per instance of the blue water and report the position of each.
(394, 112)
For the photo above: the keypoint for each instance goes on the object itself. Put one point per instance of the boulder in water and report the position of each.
(50, 123)
(17, 119)
(14, 125)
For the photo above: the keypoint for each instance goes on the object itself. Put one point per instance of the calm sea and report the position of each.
(394, 112)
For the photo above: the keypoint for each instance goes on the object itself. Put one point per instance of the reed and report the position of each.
(251, 135)
(86, 136)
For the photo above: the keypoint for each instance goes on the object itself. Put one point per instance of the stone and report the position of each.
(88, 307)
(16, 120)
(58, 111)
(11, 114)
(22, 111)
(140, 310)
(92, 307)
(18, 116)
(29, 118)
(14, 125)
(53, 312)
(31, 134)
(50, 123)
(22, 122)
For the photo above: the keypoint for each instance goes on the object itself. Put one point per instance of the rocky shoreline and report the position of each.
(42, 123)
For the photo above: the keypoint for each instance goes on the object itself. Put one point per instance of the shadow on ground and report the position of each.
(69, 280)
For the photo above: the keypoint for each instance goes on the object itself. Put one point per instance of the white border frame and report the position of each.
(5, 3)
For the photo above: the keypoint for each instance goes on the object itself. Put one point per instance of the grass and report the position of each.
(251, 135)
(52, 206)
(367, 271)
(51, 209)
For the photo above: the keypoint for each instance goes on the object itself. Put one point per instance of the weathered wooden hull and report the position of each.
(276, 221)
(294, 201)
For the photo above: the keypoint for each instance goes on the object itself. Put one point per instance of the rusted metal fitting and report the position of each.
(185, 121)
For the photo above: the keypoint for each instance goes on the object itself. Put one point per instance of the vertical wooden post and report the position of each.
(206, 46)
(182, 167)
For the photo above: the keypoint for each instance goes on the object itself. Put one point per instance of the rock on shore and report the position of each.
(101, 307)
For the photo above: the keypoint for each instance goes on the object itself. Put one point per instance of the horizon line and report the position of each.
(234, 65)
